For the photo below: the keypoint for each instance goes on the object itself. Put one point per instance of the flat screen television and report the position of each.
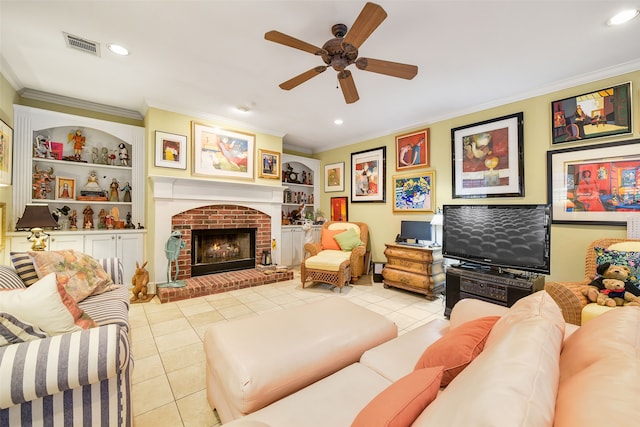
(499, 236)
(416, 230)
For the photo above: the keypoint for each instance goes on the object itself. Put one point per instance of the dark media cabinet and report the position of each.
(496, 287)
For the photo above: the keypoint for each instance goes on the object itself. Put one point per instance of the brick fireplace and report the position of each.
(186, 203)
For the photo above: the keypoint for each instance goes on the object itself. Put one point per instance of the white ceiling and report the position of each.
(205, 57)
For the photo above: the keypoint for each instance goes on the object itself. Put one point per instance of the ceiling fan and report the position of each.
(342, 51)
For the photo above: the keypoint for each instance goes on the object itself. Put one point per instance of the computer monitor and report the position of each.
(418, 230)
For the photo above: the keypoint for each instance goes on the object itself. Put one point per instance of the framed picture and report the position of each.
(488, 158)
(595, 184)
(269, 164)
(414, 193)
(65, 188)
(171, 150)
(412, 150)
(3, 211)
(368, 175)
(6, 153)
(604, 112)
(222, 153)
(334, 177)
(339, 209)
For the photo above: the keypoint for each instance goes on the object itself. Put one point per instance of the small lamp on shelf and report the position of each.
(436, 221)
(35, 218)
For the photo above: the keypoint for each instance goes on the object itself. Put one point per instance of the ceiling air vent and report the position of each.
(75, 42)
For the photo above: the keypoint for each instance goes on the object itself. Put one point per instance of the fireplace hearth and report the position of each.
(220, 250)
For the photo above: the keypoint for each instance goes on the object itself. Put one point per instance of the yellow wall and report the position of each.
(568, 242)
(7, 98)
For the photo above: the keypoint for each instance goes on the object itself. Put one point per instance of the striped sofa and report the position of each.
(80, 378)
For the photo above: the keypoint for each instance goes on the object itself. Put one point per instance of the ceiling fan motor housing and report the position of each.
(339, 55)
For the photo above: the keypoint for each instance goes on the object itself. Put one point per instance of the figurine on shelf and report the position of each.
(104, 156)
(42, 148)
(42, 182)
(92, 188)
(73, 220)
(112, 158)
(127, 192)
(102, 219)
(79, 142)
(109, 222)
(123, 154)
(88, 217)
(129, 224)
(113, 194)
(115, 213)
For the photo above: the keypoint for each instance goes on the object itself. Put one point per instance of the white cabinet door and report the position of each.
(19, 244)
(297, 246)
(286, 246)
(100, 245)
(129, 249)
(57, 243)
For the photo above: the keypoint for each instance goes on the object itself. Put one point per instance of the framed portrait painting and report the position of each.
(595, 184)
(6, 153)
(171, 150)
(414, 193)
(339, 209)
(412, 150)
(269, 164)
(65, 188)
(488, 158)
(601, 113)
(334, 177)
(221, 153)
(368, 175)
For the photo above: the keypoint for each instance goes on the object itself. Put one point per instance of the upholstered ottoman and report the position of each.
(255, 361)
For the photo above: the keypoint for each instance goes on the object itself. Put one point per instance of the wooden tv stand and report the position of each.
(414, 268)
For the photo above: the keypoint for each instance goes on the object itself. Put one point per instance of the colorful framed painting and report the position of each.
(269, 164)
(597, 114)
(595, 184)
(221, 153)
(414, 193)
(412, 150)
(3, 210)
(488, 158)
(171, 150)
(334, 177)
(6, 153)
(339, 209)
(368, 175)
(65, 188)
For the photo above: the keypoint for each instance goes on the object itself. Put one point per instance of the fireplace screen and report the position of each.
(221, 250)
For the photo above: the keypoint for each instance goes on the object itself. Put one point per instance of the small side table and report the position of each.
(414, 268)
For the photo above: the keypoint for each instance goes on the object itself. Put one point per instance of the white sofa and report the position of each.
(535, 370)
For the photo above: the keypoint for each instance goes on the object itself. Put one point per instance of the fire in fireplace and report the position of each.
(218, 250)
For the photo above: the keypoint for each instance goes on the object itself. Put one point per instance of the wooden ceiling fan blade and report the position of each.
(278, 37)
(370, 17)
(393, 69)
(348, 86)
(301, 78)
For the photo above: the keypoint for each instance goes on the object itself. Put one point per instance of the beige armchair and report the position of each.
(347, 271)
(568, 295)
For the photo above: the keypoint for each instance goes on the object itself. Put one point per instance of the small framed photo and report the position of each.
(65, 188)
(414, 193)
(6, 153)
(221, 153)
(171, 150)
(269, 164)
(601, 113)
(339, 209)
(412, 150)
(488, 158)
(334, 177)
(368, 175)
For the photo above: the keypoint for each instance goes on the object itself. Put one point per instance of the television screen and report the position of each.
(501, 236)
(418, 230)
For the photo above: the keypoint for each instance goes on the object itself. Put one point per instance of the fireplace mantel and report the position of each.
(173, 195)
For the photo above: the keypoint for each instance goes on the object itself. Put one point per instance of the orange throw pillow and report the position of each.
(327, 240)
(457, 348)
(403, 401)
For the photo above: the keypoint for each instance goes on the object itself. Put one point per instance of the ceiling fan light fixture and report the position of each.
(623, 17)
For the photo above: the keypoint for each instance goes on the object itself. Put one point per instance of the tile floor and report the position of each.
(168, 377)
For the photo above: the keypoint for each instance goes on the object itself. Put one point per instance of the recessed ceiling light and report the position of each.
(338, 121)
(243, 108)
(622, 17)
(117, 49)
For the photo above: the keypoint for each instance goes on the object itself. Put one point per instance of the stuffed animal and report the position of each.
(614, 294)
(604, 271)
(140, 280)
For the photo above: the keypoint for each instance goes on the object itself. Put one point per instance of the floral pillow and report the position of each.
(623, 258)
(80, 274)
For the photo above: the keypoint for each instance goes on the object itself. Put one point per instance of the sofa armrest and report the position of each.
(313, 248)
(34, 369)
(568, 295)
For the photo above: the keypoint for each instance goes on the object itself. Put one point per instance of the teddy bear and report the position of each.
(614, 294)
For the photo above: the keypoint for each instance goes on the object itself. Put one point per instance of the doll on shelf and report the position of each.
(79, 142)
(127, 192)
(113, 194)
